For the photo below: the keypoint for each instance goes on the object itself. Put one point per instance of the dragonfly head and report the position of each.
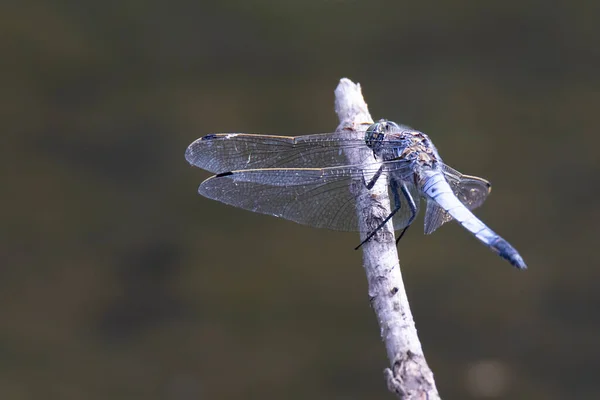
(376, 133)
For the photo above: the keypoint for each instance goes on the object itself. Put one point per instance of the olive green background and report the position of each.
(118, 281)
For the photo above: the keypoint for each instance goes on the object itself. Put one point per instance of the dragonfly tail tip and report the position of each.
(516, 260)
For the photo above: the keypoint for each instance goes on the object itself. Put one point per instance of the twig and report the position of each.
(409, 376)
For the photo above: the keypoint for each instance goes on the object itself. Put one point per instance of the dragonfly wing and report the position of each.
(222, 152)
(403, 215)
(322, 198)
(435, 216)
(470, 190)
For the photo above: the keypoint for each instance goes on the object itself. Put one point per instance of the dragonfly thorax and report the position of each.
(390, 141)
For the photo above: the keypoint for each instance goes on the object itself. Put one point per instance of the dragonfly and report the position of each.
(309, 180)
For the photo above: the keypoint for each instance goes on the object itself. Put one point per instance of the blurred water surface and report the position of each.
(119, 282)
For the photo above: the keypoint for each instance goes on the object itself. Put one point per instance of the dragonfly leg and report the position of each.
(374, 179)
(397, 205)
(413, 209)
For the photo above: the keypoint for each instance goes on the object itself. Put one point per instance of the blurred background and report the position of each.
(118, 281)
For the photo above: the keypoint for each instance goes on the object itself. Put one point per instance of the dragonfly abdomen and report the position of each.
(437, 189)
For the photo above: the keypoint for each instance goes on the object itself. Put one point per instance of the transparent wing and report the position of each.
(403, 215)
(323, 198)
(470, 190)
(435, 216)
(218, 153)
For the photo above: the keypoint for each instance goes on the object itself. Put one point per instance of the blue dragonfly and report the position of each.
(308, 179)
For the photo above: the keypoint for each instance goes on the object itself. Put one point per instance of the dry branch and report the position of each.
(409, 376)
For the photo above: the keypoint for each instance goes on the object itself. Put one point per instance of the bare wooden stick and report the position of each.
(409, 377)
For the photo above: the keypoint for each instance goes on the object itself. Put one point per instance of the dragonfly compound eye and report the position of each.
(375, 133)
(391, 126)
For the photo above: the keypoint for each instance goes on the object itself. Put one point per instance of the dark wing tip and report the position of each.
(192, 150)
(223, 174)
